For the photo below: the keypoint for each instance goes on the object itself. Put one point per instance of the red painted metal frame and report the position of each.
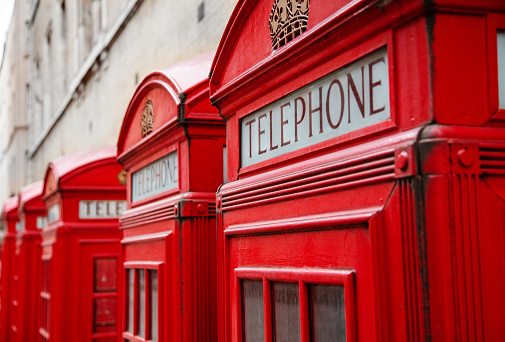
(175, 229)
(409, 204)
(303, 277)
(158, 266)
(70, 243)
(10, 219)
(25, 290)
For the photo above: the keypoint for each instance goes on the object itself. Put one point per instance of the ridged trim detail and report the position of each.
(492, 158)
(328, 177)
(148, 216)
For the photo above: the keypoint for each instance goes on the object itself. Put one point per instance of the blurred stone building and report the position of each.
(71, 66)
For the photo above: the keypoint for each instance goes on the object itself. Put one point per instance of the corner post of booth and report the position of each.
(26, 293)
(365, 160)
(10, 220)
(171, 146)
(81, 253)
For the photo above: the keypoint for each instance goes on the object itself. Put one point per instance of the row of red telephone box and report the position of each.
(357, 149)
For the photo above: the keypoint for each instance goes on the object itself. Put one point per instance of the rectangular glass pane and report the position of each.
(252, 311)
(141, 300)
(105, 274)
(327, 306)
(45, 276)
(45, 312)
(129, 322)
(104, 315)
(286, 312)
(153, 277)
(501, 68)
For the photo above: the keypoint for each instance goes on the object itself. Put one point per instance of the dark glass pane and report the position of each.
(105, 274)
(153, 277)
(327, 313)
(286, 315)
(129, 322)
(141, 308)
(105, 315)
(253, 312)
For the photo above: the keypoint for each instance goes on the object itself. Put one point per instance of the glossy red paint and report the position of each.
(79, 292)
(412, 206)
(167, 230)
(10, 219)
(25, 290)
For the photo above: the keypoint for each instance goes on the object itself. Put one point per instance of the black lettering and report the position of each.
(342, 99)
(352, 86)
(318, 109)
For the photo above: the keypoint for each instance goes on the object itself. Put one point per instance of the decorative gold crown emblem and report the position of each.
(146, 119)
(121, 177)
(288, 20)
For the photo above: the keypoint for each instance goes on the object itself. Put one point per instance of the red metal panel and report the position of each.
(10, 218)
(83, 195)
(409, 205)
(32, 214)
(171, 229)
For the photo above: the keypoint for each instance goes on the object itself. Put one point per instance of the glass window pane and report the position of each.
(327, 306)
(253, 312)
(105, 274)
(105, 315)
(286, 312)
(141, 308)
(129, 322)
(153, 277)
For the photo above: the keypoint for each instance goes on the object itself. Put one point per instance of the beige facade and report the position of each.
(14, 75)
(82, 61)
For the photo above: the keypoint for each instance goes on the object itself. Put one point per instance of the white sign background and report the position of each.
(101, 209)
(155, 178)
(351, 98)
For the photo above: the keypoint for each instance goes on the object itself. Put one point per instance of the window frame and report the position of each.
(304, 277)
(96, 336)
(45, 299)
(146, 266)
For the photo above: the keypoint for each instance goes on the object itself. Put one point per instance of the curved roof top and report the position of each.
(66, 164)
(170, 89)
(189, 73)
(10, 206)
(30, 192)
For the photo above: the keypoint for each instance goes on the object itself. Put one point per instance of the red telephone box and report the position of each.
(366, 160)
(171, 145)
(10, 219)
(81, 251)
(25, 289)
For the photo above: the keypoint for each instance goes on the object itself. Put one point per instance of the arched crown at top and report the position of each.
(288, 20)
(147, 118)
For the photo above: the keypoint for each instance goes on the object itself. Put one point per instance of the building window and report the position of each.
(141, 316)
(295, 305)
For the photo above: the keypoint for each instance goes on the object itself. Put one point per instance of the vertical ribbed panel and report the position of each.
(411, 261)
(466, 263)
(201, 285)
